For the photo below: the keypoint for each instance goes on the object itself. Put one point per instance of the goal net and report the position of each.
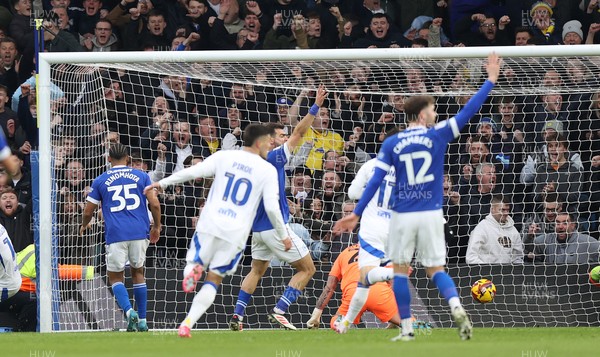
(533, 144)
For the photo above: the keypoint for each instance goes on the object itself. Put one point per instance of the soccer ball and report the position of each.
(595, 276)
(483, 291)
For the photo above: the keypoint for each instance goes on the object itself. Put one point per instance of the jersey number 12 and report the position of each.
(420, 176)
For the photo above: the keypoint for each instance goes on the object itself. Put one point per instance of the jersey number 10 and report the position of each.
(233, 187)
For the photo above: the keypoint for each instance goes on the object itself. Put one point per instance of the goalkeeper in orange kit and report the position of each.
(380, 301)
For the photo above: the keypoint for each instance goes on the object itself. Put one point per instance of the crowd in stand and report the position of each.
(521, 184)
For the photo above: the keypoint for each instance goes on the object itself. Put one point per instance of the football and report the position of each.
(483, 291)
(595, 276)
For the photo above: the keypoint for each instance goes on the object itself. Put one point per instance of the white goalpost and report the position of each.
(87, 100)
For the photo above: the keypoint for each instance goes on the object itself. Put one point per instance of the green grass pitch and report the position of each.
(518, 342)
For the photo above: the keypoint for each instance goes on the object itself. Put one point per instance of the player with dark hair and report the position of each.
(128, 231)
(417, 223)
(242, 179)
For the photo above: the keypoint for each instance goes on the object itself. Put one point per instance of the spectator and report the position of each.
(544, 25)
(198, 23)
(550, 109)
(10, 75)
(299, 190)
(151, 35)
(57, 40)
(450, 205)
(276, 39)
(9, 121)
(475, 205)
(333, 195)
(21, 180)
(572, 33)
(16, 219)
(64, 21)
(103, 40)
(330, 163)
(231, 129)
(207, 142)
(557, 174)
(73, 248)
(85, 18)
(20, 28)
(122, 114)
(566, 245)
(477, 152)
(74, 181)
(223, 39)
(522, 36)
(182, 145)
(552, 129)
(379, 35)
(126, 12)
(495, 240)
(179, 98)
(541, 222)
(160, 166)
(392, 116)
(288, 9)
(323, 140)
(489, 33)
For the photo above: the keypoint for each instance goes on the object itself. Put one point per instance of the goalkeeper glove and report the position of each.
(315, 319)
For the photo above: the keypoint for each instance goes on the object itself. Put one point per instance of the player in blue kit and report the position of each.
(417, 223)
(266, 244)
(120, 190)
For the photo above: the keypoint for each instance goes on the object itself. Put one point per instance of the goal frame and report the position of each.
(46, 59)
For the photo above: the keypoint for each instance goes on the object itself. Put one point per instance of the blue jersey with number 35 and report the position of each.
(124, 205)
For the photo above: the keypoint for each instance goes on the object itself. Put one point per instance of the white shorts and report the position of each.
(372, 250)
(117, 254)
(266, 244)
(215, 254)
(420, 231)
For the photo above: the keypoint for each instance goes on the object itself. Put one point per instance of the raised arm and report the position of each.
(308, 119)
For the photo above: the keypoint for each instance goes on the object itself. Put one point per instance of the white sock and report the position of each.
(454, 302)
(128, 312)
(380, 274)
(278, 311)
(407, 326)
(356, 304)
(202, 301)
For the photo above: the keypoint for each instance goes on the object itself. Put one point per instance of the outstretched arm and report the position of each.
(326, 294)
(308, 119)
(205, 168)
(450, 129)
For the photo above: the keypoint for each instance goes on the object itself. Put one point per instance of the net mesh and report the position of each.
(165, 110)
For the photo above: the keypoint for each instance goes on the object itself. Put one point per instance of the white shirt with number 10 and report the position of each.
(241, 179)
